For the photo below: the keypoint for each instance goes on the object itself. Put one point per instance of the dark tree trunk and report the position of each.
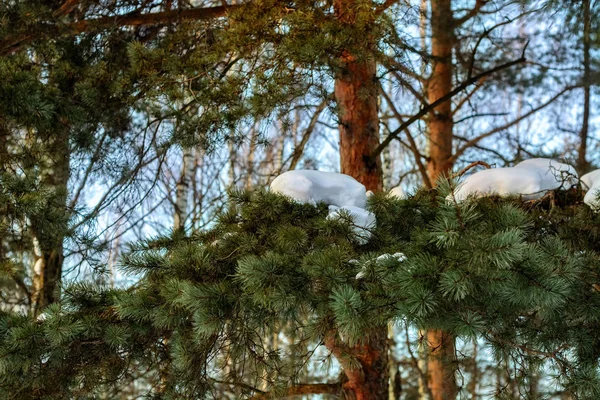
(582, 163)
(49, 232)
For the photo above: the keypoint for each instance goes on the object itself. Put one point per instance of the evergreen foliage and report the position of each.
(521, 276)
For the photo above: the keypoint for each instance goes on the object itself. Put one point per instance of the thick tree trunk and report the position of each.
(582, 163)
(370, 380)
(440, 83)
(356, 95)
(441, 362)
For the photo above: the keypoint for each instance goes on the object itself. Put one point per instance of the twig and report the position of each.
(441, 100)
(468, 167)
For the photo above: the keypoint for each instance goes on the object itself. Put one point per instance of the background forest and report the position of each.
(129, 128)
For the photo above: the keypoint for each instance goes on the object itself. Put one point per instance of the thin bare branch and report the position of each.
(460, 151)
(441, 100)
(411, 140)
(299, 150)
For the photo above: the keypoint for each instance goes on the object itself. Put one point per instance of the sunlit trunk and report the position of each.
(356, 94)
(441, 362)
(440, 83)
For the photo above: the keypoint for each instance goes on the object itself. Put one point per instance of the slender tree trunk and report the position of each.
(441, 362)
(182, 193)
(441, 365)
(250, 158)
(582, 164)
(356, 94)
(48, 238)
(474, 374)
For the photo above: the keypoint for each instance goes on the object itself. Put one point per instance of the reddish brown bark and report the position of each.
(441, 365)
(441, 361)
(370, 380)
(356, 94)
(440, 84)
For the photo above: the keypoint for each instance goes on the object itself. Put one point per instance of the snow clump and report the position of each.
(530, 179)
(362, 220)
(312, 187)
(400, 257)
(398, 192)
(592, 181)
(341, 192)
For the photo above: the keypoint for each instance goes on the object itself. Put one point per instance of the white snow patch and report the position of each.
(531, 179)
(308, 186)
(553, 174)
(400, 257)
(341, 192)
(592, 181)
(398, 192)
(362, 219)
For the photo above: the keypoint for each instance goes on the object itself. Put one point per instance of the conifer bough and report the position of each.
(519, 276)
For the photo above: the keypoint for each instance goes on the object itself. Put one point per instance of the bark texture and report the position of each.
(369, 381)
(582, 163)
(50, 230)
(356, 95)
(439, 84)
(441, 363)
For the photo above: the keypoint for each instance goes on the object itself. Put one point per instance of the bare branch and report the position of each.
(441, 100)
(413, 145)
(460, 151)
(381, 8)
(299, 150)
(473, 164)
(471, 13)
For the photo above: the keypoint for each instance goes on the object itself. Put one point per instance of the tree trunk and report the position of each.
(441, 362)
(582, 164)
(370, 380)
(441, 365)
(48, 236)
(356, 95)
(440, 83)
(182, 193)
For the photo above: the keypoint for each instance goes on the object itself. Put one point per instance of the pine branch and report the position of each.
(51, 29)
(306, 388)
